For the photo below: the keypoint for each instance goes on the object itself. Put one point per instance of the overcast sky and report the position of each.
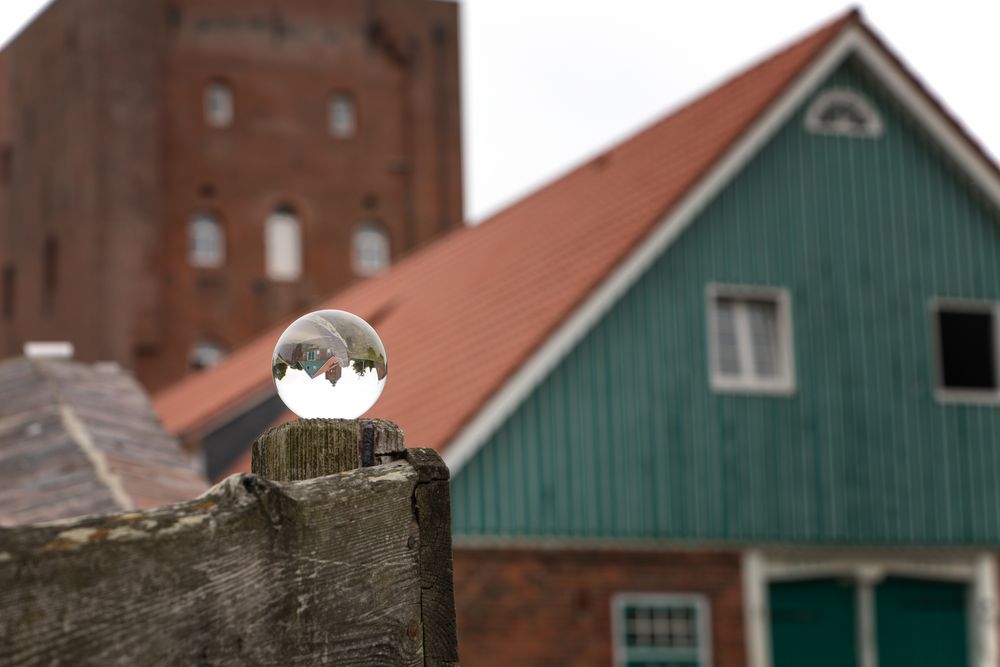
(549, 82)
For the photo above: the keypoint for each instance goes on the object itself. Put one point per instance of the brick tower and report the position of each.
(178, 175)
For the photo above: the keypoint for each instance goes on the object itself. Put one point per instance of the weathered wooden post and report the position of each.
(309, 448)
(338, 552)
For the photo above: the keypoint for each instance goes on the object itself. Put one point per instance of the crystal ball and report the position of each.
(329, 364)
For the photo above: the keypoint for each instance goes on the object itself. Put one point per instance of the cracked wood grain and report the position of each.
(432, 497)
(322, 571)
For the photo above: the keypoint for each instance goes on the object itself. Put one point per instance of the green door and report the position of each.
(921, 623)
(813, 623)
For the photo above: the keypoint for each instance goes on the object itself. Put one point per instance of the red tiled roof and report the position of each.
(458, 317)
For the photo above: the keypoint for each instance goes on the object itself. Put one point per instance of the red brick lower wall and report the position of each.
(523, 607)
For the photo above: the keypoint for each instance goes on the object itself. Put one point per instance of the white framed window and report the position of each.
(845, 112)
(206, 353)
(750, 339)
(652, 629)
(283, 245)
(343, 115)
(219, 106)
(966, 350)
(370, 249)
(206, 241)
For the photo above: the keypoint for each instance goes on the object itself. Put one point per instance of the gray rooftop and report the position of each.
(82, 439)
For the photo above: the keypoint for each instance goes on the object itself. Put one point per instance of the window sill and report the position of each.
(967, 396)
(728, 386)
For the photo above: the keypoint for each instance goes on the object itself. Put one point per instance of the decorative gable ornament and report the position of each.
(843, 112)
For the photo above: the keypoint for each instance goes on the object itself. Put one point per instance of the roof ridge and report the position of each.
(829, 28)
(76, 429)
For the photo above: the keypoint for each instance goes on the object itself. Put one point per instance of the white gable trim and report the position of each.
(955, 145)
(852, 40)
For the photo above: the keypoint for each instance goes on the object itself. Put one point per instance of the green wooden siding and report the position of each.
(625, 438)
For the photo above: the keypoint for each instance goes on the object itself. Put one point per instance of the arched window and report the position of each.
(206, 353)
(844, 112)
(343, 115)
(218, 104)
(370, 249)
(283, 245)
(206, 241)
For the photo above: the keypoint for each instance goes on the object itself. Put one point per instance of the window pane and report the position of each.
(206, 354)
(967, 350)
(207, 244)
(763, 317)
(661, 633)
(342, 115)
(727, 351)
(218, 104)
(283, 246)
(370, 250)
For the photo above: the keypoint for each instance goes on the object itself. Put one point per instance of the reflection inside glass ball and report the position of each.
(329, 364)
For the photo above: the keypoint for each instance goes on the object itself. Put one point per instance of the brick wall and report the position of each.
(81, 175)
(553, 607)
(103, 103)
(284, 60)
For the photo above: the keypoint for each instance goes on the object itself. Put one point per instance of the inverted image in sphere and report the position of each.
(329, 364)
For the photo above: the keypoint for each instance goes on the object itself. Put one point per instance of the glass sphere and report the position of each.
(329, 364)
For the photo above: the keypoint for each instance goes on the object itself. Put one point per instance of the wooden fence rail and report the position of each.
(351, 568)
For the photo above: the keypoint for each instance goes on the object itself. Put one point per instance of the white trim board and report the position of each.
(853, 40)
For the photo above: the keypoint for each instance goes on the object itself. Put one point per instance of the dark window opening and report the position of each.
(6, 164)
(967, 350)
(174, 15)
(50, 262)
(9, 278)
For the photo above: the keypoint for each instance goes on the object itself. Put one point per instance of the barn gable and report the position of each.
(627, 437)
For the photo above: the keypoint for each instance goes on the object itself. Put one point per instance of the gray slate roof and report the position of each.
(82, 439)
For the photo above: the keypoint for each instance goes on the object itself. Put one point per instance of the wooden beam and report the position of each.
(432, 498)
(252, 572)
